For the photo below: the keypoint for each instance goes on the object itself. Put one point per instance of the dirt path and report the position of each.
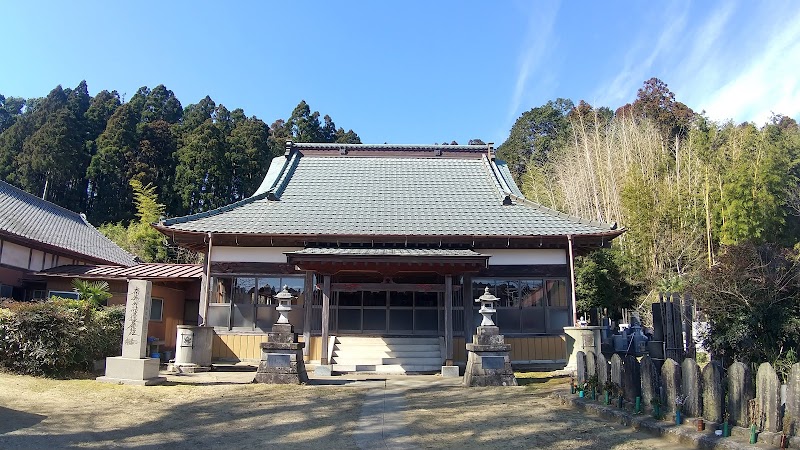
(39, 413)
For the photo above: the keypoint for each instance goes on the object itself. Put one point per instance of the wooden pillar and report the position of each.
(206, 287)
(308, 305)
(572, 281)
(326, 313)
(448, 319)
(466, 294)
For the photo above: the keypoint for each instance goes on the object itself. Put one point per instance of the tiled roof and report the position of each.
(29, 217)
(415, 252)
(388, 196)
(143, 271)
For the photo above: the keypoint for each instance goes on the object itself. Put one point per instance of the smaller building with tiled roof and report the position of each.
(394, 241)
(36, 234)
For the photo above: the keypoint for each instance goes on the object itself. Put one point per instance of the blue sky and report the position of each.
(414, 71)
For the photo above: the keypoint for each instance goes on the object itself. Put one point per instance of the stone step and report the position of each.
(386, 368)
(354, 352)
(360, 360)
(387, 348)
(370, 340)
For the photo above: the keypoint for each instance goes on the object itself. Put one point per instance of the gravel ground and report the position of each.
(222, 411)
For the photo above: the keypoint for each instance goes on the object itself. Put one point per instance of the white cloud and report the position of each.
(769, 83)
(539, 41)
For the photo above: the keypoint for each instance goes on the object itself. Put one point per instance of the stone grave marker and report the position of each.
(713, 392)
(671, 381)
(691, 388)
(591, 364)
(616, 370)
(580, 361)
(793, 401)
(649, 381)
(134, 367)
(631, 378)
(768, 397)
(602, 369)
(740, 392)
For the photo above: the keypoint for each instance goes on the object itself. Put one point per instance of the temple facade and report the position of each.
(385, 248)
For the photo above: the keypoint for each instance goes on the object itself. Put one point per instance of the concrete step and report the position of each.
(386, 368)
(387, 348)
(389, 361)
(374, 340)
(354, 352)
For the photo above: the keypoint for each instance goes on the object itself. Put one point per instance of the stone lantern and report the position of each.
(487, 301)
(488, 356)
(284, 304)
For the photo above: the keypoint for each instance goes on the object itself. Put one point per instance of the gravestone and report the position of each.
(793, 401)
(691, 388)
(603, 368)
(740, 392)
(768, 397)
(580, 375)
(671, 381)
(649, 381)
(713, 392)
(616, 370)
(591, 364)
(134, 367)
(631, 378)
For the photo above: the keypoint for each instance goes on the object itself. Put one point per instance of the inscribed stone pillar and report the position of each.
(649, 381)
(740, 392)
(793, 401)
(713, 392)
(616, 370)
(671, 381)
(602, 369)
(768, 397)
(631, 378)
(691, 388)
(137, 315)
(591, 364)
(580, 376)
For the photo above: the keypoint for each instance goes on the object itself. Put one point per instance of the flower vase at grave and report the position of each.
(638, 408)
(784, 442)
(594, 394)
(620, 401)
(608, 400)
(753, 434)
(701, 424)
(581, 393)
(656, 411)
(572, 388)
(678, 417)
(726, 429)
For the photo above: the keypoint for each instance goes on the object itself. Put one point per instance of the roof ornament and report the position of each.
(288, 147)
(490, 151)
(507, 201)
(342, 150)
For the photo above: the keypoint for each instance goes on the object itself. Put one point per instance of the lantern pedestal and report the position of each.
(489, 362)
(281, 358)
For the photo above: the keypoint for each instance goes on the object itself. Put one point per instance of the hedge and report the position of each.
(57, 337)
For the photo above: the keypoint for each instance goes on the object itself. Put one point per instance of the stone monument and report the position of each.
(282, 355)
(488, 363)
(134, 367)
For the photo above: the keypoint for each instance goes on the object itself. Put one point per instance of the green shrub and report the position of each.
(57, 337)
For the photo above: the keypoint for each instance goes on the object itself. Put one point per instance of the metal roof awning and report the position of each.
(145, 271)
(331, 260)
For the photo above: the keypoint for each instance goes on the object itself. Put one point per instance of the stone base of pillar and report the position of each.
(489, 361)
(281, 358)
(135, 371)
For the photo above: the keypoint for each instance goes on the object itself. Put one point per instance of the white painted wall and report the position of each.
(251, 254)
(520, 257)
(37, 260)
(15, 255)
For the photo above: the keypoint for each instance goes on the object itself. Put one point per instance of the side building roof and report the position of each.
(29, 218)
(330, 190)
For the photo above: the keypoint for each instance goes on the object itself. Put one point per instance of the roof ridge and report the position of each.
(286, 174)
(409, 147)
(211, 212)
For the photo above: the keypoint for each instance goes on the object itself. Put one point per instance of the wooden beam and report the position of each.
(308, 304)
(206, 286)
(448, 319)
(326, 312)
(572, 281)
